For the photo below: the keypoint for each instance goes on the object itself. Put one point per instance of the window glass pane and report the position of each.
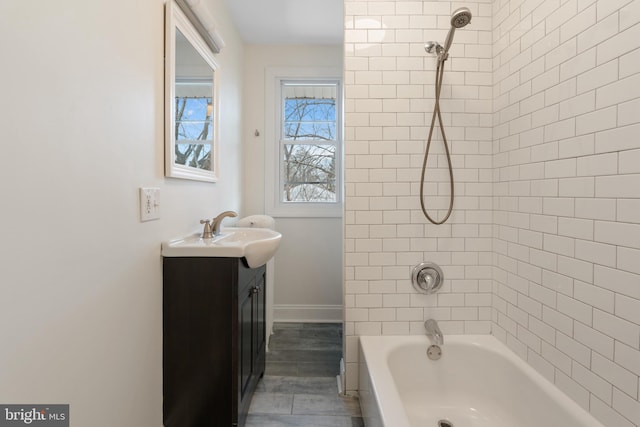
(309, 173)
(310, 131)
(193, 131)
(191, 108)
(310, 109)
(309, 112)
(193, 118)
(194, 155)
(194, 123)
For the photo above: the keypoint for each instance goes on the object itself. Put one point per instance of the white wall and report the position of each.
(82, 129)
(389, 100)
(567, 196)
(308, 265)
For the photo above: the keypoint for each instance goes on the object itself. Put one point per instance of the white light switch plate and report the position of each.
(149, 204)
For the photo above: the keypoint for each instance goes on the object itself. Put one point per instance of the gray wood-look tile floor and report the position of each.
(299, 388)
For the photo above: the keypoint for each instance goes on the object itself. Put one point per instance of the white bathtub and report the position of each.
(478, 382)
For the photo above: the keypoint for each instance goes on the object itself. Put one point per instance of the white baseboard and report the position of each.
(307, 313)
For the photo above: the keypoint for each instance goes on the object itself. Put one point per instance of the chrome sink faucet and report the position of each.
(217, 221)
(433, 331)
(212, 227)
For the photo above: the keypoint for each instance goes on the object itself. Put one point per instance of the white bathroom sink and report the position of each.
(257, 245)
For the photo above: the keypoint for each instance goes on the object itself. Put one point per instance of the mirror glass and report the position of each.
(192, 107)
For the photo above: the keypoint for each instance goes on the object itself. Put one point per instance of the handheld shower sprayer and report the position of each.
(460, 18)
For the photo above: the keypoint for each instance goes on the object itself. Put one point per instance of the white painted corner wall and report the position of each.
(308, 265)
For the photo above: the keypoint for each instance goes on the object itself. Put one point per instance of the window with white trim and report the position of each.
(308, 148)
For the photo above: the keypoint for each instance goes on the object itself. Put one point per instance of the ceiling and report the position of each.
(288, 21)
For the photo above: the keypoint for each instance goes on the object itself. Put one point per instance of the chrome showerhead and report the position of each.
(461, 17)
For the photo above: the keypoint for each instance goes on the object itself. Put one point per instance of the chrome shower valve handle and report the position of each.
(427, 278)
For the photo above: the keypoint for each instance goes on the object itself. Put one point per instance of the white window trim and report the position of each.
(273, 205)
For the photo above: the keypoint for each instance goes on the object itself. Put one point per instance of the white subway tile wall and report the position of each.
(576, 123)
(541, 104)
(389, 84)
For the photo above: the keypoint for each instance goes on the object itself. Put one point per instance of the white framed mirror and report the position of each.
(191, 100)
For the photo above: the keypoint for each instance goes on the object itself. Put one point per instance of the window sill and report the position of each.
(307, 212)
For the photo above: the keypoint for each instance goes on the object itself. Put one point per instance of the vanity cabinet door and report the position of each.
(213, 340)
(259, 332)
(245, 338)
(251, 337)
(199, 332)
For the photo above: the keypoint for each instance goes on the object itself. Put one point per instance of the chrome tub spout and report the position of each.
(433, 332)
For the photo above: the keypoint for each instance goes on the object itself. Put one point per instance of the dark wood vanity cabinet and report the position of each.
(213, 340)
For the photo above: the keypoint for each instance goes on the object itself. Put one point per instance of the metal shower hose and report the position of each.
(436, 112)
